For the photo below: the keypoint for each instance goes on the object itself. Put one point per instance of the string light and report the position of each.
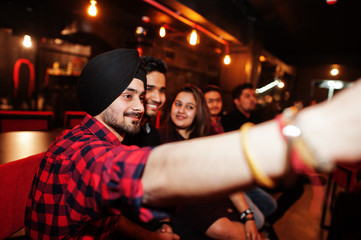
(193, 39)
(262, 58)
(334, 72)
(162, 32)
(227, 59)
(92, 10)
(27, 41)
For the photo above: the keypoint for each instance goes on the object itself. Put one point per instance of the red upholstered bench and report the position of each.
(16, 180)
(73, 118)
(26, 120)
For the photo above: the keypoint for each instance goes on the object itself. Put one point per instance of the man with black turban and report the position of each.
(88, 179)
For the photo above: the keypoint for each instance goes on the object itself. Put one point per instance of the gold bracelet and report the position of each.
(259, 176)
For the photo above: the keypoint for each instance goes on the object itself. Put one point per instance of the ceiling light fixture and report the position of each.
(193, 38)
(262, 58)
(162, 32)
(227, 58)
(27, 41)
(334, 72)
(268, 86)
(186, 21)
(92, 10)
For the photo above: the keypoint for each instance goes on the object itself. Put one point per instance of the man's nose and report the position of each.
(155, 96)
(138, 105)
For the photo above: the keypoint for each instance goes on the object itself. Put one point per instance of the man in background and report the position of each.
(244, 99)
(148, 135)
(154, 100)
(213, 97)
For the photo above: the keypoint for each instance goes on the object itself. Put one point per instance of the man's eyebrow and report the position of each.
(133, 90)
(153, 86)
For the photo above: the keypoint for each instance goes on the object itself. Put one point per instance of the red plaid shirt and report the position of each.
(86, 180)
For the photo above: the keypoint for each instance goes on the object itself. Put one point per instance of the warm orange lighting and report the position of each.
(281, 84)
(227, 59)
(162, 32)
(334, 72)
(27, 41)
(92, 10)
(193, 39)
(262, 58)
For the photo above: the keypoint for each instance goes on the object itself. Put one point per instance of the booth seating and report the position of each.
(26, 120)
(73, 118)
(15, 184)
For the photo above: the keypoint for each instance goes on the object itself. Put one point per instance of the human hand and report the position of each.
(333, 128)
(165, 232)
(251, 231)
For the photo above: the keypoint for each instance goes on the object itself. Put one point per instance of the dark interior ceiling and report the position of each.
(296, 31)
(305, 30)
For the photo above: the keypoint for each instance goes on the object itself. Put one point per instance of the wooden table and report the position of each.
(20, 144)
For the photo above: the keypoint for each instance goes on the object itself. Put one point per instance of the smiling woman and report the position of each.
(183, 112)
(188, 116)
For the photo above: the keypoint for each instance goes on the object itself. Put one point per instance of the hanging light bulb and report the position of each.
(193, 39)
(262, 58)
(27, 41)
(162, 32)
(227, 59)
(92, 10)
(334, 72)
(281, 84)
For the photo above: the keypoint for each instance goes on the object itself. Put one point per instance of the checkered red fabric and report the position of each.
(86, 180)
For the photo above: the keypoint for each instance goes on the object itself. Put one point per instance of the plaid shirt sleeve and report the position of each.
(108, 180)
(83, 184)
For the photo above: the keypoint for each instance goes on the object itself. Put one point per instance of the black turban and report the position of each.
(106, 76)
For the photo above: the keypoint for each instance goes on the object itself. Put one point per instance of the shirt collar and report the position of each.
(98, 129)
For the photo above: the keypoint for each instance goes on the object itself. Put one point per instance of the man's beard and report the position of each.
(122, 127)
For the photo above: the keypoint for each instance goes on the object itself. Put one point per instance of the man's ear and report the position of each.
(236, 101)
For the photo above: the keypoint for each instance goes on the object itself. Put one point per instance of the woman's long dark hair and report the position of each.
(201, 124)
